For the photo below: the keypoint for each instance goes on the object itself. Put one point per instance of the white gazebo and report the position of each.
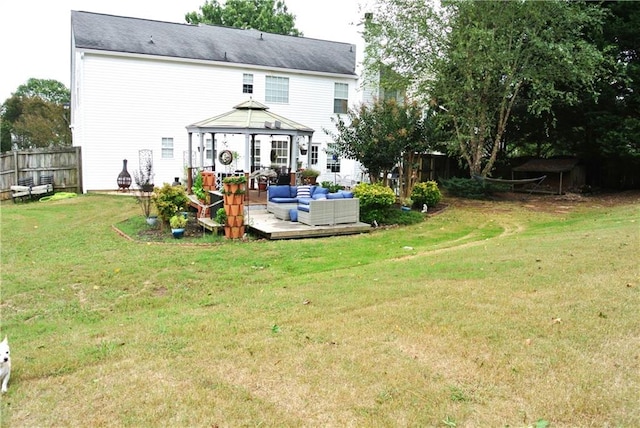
(250, 119)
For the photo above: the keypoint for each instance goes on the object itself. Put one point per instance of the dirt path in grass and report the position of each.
(555, 204)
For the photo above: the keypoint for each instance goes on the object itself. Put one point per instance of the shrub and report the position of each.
(426, 192)
(375, 199)
(169, 200)
(467, 188)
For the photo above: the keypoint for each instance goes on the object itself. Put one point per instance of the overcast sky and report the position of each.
(35, 34)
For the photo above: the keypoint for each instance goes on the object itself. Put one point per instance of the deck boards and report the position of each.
(265, 224)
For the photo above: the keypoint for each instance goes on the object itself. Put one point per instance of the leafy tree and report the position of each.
(475, 59)
(381, 135)
(264, 15)
(36, 115)
(45, 89)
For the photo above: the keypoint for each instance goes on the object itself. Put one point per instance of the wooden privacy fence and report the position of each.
(64, 163)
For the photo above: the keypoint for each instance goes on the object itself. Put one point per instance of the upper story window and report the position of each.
(340, 98)
(277, 90)
(247, 83)
(167, 148)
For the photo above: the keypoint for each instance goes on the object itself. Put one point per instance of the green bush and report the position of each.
(169, 200)
(426, 192)
(374, 195)
(468, 188)
(375, 200)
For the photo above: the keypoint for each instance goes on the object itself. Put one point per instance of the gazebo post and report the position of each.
(201, 150)
(247, 151)
(189, 163)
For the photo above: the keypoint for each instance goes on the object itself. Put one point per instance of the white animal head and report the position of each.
(4, 351)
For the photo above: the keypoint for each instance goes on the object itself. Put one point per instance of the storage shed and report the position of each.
(562, 173)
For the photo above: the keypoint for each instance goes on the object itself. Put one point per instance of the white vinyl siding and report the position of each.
(128, 104)
(277, 89)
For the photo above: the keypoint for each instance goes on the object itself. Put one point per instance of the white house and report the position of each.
(140, 85)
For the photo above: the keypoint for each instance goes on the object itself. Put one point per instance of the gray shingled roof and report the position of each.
(209, 42)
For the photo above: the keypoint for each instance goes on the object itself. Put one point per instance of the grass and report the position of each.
(488, 314)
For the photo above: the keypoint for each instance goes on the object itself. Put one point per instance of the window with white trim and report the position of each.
(315, 150)
(247, 83)
(208, 151)
(281, 148)
(277, 89)
(333, 160)
(340, 98)
(167, 148)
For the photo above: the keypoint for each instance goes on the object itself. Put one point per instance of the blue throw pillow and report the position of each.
(321, 191)
(279, 192)
(334, 196)
(346, 194)
(319, 196)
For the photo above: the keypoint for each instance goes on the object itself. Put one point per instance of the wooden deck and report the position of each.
(265, 224)
(262, 223)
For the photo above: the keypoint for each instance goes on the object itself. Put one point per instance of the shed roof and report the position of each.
(210, 43)
(548, 165)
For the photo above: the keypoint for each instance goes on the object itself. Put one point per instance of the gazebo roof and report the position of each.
(250, 117)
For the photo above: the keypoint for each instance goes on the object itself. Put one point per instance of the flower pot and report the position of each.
(152, 220)
(262, 186)
(233, 210)
(177, 233)
(147, 188)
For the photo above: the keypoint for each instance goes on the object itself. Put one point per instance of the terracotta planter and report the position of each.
(233, 210)
(231, 188)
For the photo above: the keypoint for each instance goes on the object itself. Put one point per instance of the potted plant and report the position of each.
(198, 187)
(221, 217)
(407, 203)
(234, 188)
(178, 222)
(309, 175)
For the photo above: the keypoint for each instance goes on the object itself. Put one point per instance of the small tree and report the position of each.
(381, 135)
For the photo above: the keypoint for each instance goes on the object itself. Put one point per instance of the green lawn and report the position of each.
(488, 314)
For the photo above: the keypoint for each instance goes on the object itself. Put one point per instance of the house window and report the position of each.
(281, 149)
(333, 161)
(340, 98)
(315, 149)
(277, 90)
(167, 148)
(208, 151)
(247, 83)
